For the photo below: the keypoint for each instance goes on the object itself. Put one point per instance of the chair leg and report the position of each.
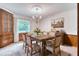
(54, 52)
(23, 45)
(31, 52)
(27, 51)
(59, 51)
(40, 52)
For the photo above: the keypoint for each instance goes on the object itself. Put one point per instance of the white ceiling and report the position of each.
(48, 9)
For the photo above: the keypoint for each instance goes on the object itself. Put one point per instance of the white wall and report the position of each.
(15, 30)
(32, 24)
(70, 21)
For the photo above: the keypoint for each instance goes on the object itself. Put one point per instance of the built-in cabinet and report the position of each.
(6, 28)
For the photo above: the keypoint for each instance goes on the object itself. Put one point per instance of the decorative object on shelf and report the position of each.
(58, 23)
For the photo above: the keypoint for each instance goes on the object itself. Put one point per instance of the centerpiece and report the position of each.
(37, 31)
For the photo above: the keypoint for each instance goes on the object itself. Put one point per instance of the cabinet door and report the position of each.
(0, 26)
(10, 23)
(0, 23)
(5, 22)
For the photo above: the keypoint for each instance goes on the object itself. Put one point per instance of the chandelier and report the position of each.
(37, 11)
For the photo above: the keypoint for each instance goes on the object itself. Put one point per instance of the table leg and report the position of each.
(43, 51)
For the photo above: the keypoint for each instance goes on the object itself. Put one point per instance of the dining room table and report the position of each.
(42, 39)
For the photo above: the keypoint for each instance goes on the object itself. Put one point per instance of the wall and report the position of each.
(70, 21)
(32, 24)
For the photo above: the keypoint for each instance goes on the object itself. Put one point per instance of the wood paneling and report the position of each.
(73, 39)
(70, 40)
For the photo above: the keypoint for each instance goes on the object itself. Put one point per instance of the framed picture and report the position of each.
(58, 23)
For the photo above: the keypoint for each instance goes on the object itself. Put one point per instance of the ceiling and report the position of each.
(48, 9)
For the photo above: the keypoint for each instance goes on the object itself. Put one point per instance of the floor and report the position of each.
(16, 49)
(70, 50)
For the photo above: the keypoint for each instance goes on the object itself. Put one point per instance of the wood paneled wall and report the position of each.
(70, 40)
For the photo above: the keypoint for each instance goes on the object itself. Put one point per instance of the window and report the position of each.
(23, 25)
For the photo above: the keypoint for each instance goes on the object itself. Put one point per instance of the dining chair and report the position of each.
(24, 42)
(32, 48)
(49, 42)
(55, 44)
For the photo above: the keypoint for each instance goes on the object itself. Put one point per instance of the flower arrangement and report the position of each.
(37, 31)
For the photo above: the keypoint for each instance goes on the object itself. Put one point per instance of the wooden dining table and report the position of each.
(43, 39)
